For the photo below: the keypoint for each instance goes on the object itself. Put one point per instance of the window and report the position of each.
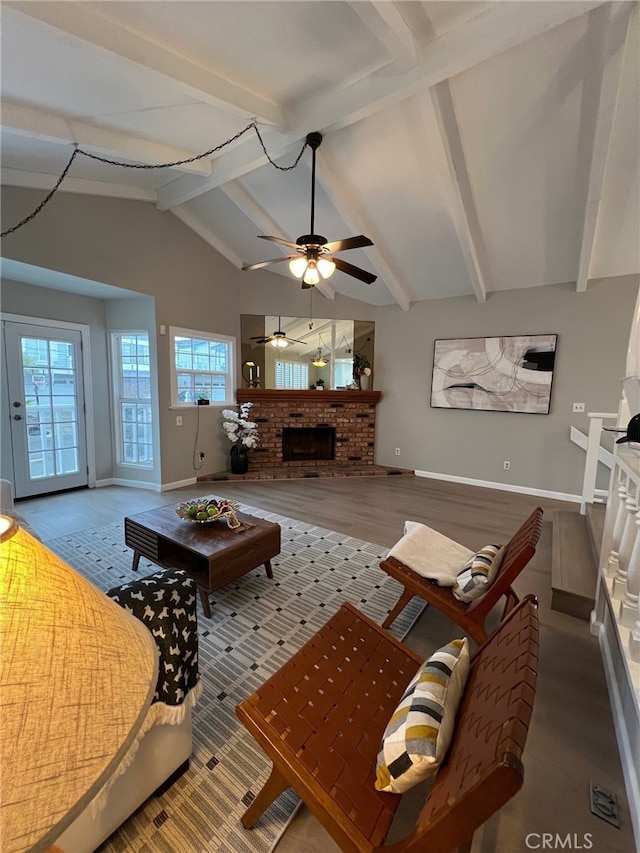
(201, 367)
(132, 398)
(342, 372)
(292, 374)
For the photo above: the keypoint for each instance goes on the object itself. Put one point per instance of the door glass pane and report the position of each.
(51, 405)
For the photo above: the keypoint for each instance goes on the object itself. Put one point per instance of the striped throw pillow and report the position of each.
(418, 735)
(478, 573)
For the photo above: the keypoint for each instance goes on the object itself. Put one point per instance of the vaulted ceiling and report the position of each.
(482, 146)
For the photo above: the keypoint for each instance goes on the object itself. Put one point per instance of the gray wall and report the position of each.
(593, 334)
(26, 300)
(133, 245)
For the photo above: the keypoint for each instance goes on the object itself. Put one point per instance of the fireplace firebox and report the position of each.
(300, 444)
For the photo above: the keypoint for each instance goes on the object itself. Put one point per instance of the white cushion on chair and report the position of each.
(430, 554)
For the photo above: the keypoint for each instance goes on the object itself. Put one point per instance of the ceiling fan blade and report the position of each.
(266, 263)
(278, 240)
(348, 243)
(356, 272)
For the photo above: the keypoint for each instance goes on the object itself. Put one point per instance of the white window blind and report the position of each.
(292, 374)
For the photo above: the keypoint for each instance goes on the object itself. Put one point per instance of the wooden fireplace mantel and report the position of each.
(251, 395)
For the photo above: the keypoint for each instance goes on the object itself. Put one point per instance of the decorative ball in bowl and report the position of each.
(206, 510)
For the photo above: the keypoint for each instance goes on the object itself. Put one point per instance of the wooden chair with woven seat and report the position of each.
(321, 718)
(470, 617)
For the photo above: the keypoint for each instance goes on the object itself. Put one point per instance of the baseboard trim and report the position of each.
(131, 484)
(504, 487)
(178, 484)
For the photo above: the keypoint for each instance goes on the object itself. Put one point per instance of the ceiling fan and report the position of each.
(314, 255)
(277, 339)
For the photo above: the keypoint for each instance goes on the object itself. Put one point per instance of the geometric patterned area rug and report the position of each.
(257, 624)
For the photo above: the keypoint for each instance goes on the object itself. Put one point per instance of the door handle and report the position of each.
(17, 417)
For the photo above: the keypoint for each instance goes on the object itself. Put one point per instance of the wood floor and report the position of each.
(571, 739)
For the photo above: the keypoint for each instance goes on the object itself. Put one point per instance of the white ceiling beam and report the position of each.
(82, 186)
(202, 230)
(263, 221)
(85, 21)
(228, 166)
(356, 221)
(614, 20)
(464, 212)
(39, 124)
(499, 27)
(387, 24)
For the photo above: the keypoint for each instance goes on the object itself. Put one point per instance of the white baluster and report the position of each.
(626, 547)
(629, 603)
(634, 639)
(618, 528)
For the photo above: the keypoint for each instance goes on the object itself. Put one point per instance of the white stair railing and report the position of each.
(595, 454)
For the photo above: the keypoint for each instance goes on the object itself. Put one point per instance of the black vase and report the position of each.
(239, 461)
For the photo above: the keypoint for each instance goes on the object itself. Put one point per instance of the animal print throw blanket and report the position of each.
(166, 603)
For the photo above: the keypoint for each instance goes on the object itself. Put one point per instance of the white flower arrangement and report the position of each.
(239, 429)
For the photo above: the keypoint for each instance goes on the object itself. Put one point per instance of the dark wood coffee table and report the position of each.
(213, 554)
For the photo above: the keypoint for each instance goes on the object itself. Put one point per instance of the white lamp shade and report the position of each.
(326, 267)
(78, 674)
(298, 266)
(311, 275)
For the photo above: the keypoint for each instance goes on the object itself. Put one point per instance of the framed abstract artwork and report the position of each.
(507, 374)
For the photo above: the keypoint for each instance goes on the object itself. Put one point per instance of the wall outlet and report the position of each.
(397, 451)
(578, 407)
(178, 420)
(201, 456)
(507, 465)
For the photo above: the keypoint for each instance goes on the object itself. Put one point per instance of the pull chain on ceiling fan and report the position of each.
(314, 255)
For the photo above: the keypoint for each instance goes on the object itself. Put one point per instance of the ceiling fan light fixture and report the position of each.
(279, 342)
(311, 275)
(298, 266)
(326, 267)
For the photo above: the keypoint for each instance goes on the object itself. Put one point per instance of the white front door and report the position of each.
(47, 410)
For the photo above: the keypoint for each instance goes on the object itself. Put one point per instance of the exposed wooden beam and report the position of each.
(501, 26)
(82, 186)
(465, 216)
(385, 21)
(230, 164)
(85, 21)
(39, 124)
(599, 106)
(264, 222)
(498, 28)
(356, 221)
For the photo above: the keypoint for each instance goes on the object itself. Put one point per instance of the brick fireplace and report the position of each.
(345, 421)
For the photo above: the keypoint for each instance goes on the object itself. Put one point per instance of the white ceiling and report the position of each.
(482, 146)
